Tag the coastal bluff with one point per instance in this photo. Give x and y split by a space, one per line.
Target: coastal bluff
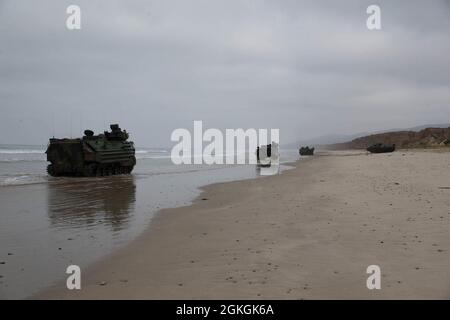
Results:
426 138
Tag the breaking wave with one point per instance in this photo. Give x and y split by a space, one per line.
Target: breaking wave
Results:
21 151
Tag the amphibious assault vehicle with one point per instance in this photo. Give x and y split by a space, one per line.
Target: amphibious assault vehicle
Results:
306 151
92 155
381 148
266 155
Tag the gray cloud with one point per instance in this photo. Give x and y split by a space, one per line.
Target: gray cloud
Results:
306 67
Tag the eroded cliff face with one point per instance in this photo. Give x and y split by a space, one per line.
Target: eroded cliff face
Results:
429 137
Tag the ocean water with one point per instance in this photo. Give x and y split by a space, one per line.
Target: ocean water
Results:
24 164
48 223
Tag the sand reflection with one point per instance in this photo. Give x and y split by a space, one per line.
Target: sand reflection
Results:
85 202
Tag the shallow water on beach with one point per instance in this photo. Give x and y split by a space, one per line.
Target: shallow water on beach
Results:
49 223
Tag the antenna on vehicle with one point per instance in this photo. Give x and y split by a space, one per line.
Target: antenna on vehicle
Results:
81 121
53 124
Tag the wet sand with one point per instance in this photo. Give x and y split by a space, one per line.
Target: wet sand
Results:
50 224
309 233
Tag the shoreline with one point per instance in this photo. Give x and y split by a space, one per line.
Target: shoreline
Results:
79 221
298 235
54 290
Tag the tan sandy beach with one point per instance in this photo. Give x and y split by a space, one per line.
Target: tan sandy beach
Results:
309 233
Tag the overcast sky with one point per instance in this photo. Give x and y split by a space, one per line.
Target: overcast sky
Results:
308 68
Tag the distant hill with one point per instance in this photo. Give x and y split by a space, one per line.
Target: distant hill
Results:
427 137
336 139
324 140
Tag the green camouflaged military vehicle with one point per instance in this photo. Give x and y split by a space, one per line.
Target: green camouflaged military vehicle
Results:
93 155
381 148
306 151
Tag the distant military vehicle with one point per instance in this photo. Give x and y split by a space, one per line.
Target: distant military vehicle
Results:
267 155
306 151
93 155
381 148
